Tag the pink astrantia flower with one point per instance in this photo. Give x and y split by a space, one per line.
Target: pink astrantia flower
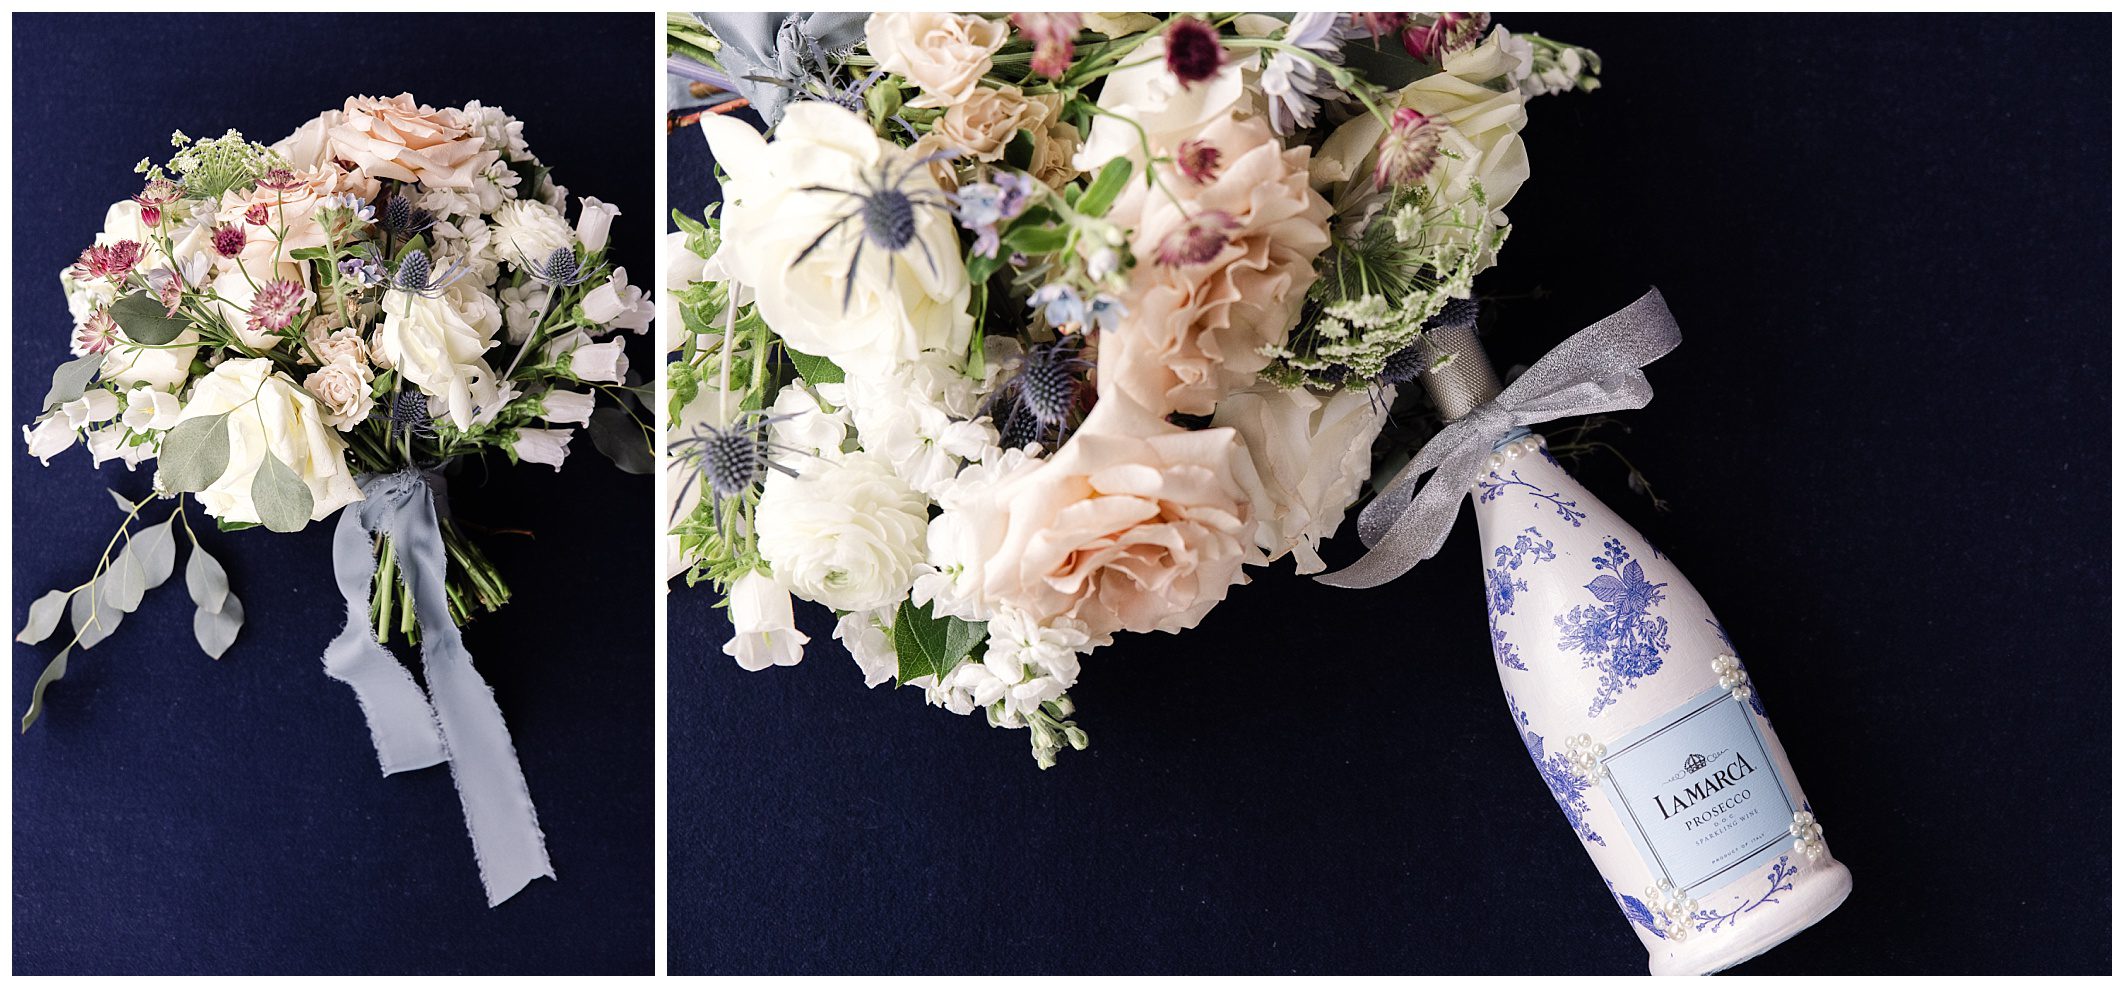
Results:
1198 240
256 215
159 193
1198 160
276 306
1054 38
1447 34
97 334
113 261
229 240
1408 150
1377 24
1192 53
281 180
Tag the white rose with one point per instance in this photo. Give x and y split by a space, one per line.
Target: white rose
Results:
441 350
846 533
902 302
1144 102
593 226
765 625
1306 458
163 368
547 446
527 231
944 54
618 305
273 416
149 409
342 388
563 407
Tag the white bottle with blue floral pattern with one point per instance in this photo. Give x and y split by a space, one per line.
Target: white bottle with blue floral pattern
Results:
1638 711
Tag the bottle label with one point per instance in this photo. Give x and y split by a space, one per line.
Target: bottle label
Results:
1699 793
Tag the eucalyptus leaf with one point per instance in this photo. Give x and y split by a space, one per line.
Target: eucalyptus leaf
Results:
931 646
125 582
124 504
44 617
93 616
216 630
157 549
206 580
194 454
282 499
616 435
52 673
145 321
70 379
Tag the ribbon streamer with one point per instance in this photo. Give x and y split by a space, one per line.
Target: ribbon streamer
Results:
770 55
1598 369
462 725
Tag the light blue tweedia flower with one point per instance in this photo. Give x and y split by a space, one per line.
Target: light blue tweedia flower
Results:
1064 308
979 206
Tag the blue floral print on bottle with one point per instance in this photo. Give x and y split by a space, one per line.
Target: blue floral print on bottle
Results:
1566 783
1506 584
1618 636
1780 880
1493 486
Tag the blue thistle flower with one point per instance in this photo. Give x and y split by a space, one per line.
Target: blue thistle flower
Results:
561 269
416 275
884 210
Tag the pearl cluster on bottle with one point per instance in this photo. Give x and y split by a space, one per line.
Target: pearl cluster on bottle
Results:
1732 678
1517 449
1807 836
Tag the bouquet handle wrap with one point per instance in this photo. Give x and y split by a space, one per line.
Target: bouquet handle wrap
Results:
457 720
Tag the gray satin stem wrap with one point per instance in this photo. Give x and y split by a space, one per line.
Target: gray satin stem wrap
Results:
456 720
763 46
1597 370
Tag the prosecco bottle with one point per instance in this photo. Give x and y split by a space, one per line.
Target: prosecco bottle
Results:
1637 709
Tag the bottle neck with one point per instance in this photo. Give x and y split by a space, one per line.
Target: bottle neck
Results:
1459 376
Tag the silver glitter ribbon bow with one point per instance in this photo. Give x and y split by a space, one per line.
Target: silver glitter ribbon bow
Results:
456 720
1598 369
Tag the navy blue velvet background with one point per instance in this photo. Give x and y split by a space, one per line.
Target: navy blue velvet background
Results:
1885 443
176 814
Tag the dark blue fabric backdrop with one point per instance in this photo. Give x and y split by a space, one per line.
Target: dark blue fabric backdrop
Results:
176 814
1886 446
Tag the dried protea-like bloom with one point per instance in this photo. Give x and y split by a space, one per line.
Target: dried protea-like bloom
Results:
97 334
229 240
1443 36
1198 159
160 192
114 261
281 180
1192 53
1409 148
1054 38
276 306
1197 241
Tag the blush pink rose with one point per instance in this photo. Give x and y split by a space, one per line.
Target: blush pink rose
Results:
1199 313
398 138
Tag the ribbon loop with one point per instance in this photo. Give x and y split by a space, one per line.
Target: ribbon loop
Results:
1598 369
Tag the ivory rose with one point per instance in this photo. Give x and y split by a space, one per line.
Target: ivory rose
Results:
398 138
1145 103
1194 331
272 417
310 145
341 388
944 54
441 349
1306 458
983 123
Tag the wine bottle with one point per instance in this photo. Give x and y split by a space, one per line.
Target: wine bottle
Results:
1636 708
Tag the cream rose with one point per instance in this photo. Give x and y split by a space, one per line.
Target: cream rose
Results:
1055 146
846 533
1147 96
1194 331
398 138
944 54
310 145
902 302
342 389
291 213
984 122
271 417
441 349
1306 458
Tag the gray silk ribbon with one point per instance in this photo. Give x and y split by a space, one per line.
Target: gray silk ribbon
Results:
1597 370
456 720
770 54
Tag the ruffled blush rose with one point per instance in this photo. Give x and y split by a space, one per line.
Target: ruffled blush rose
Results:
398 138
1307 456
945 55
1196 326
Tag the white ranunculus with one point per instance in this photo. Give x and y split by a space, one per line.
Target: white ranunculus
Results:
272 416
802 423
593 226
50 437
527 231
868 638
563 407
618 305
150 409
901 303
441 349
845 533
547 446
765 623
1306 459
1144 102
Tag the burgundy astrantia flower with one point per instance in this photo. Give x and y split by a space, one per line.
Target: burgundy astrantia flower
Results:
1408 149
1198 241
256 215
113 261
1447 34
1198 159
229 240
160 192
97 335
276 306
1379 24
1054 38
1192 53
280 180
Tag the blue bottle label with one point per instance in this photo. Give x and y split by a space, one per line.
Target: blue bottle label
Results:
1699 793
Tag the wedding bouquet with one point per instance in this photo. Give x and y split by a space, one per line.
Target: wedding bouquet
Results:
330 324
1016 334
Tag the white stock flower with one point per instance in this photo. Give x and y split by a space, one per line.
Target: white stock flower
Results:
593 226
547 446
442 350
1306 458
845 533
568 406
868 638
915 416
800 422
1034 663
1144 102
618 305
273 416
765 624
527 231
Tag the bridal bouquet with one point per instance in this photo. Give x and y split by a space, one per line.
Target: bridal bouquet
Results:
1015 334
330 324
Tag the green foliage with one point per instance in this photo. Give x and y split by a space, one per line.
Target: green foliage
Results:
1100 196
143 318
928 645
815 370
194 453
72 378
283 500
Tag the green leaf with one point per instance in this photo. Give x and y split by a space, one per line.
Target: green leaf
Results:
216 630
815 370
1106 188
44 617
70 379
207 582
194 454
282 499
616 435
1036 239
310 254
144 319
931 646
126 581
124 504
52 674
